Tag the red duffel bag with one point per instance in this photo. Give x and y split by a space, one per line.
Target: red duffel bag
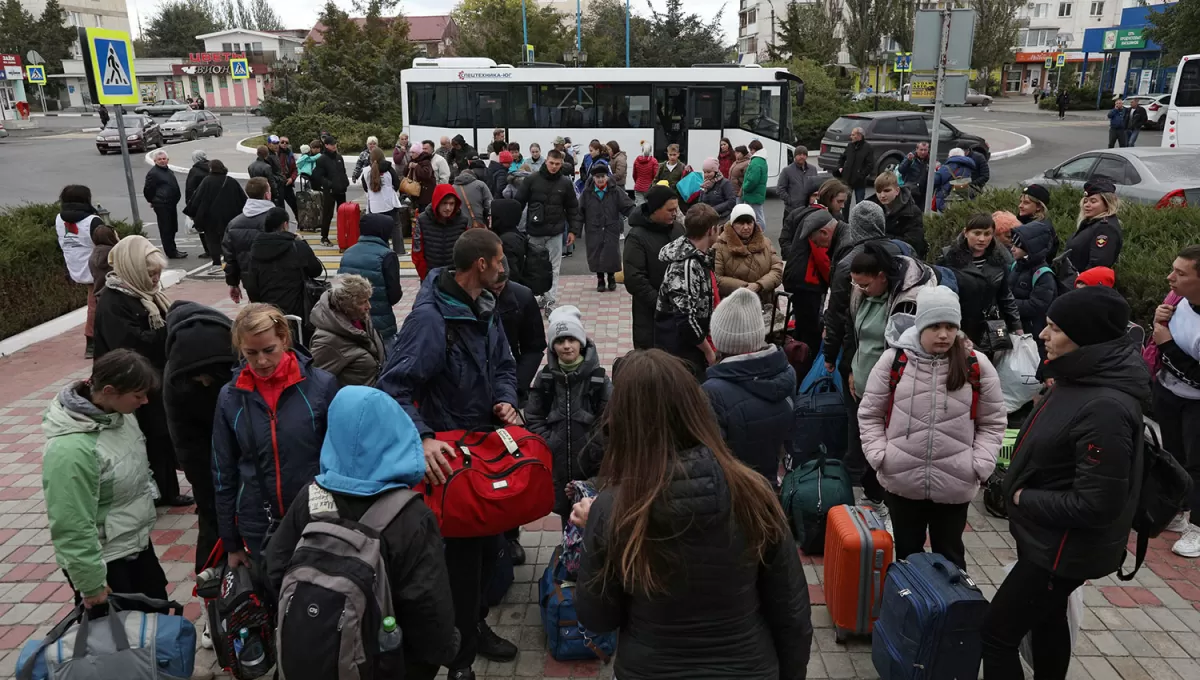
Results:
500 480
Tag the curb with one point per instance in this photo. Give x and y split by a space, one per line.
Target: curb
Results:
1007 153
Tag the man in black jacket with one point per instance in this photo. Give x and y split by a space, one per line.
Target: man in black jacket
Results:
904 219
1135 118
810 226
461 154
552 208
856 166
983 171
652 225
279 263
266 166
330 178
241 232
161 191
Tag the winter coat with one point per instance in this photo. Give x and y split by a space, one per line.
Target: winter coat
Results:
459 158
725 161
256 451
279 264
195 176
603 214
914 174
801 273
99 267
450 364
199 342
306 163
979 291
421 171
1136 117
725 615
751 397
796 184
239 237
1096 242
161 189
644 271
351 354
671 175
268 170
983 170
555 194
565 409
330 173
856 165
497 173
737 174
287 166
522 320
955 167
754 185
721 197
372 259
905 220
97 486
685 298
739 264
644 170
618 165
931 447
433 238
122 322
849 240
475 197
1031 279
216 202
440 168
1078 463
1116 118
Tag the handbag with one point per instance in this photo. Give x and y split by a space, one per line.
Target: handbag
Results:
996 337
410 186
476 223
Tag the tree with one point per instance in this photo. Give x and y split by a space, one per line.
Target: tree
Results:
492 28
684 39
48 34
604 36
1175 28
256 16
265 18
172 30
996 30
867 25
16 25
806 31
902 24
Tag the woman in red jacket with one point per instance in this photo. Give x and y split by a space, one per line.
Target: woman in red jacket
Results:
645 167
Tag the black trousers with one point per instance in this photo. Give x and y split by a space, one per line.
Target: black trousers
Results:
944 523
168 226
856 460
199 475
140 573
152 419
1179 421
329 205
213 235
469 563
1116 136
289 197
806 310
1031 600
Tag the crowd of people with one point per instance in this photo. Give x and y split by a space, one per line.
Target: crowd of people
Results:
687 551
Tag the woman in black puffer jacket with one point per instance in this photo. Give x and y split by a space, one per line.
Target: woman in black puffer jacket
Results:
982 266
686 551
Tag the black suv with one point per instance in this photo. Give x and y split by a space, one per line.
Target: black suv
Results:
893 135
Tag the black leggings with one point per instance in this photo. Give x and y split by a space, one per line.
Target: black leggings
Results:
1179 420
944 523
140 573
1031 600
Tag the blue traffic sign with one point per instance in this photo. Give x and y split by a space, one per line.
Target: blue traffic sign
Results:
239 68
112 70
36 74
903 63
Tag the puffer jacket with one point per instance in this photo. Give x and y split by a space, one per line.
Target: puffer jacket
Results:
754 183
161 188
981 290
475 197
955 167
644 170
1078 463
739 264
721 197
565 409
644 271
685 299
619 167
751 395
554 196
279 264
1031 279
372 259
737 174
931 448
434 237
725 615
239 237
351 354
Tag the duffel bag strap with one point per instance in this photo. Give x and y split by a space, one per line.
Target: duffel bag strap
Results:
120 639
26 672
164 606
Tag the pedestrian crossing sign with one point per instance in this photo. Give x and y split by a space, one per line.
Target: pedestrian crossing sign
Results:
108 62
239 68
35 74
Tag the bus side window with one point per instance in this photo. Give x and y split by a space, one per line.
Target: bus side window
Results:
623 106
761 110
427 105
459 112
729 111
522 104
1188 95
569 106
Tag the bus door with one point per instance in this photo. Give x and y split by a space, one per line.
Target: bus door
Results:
704 123
490 106
670 120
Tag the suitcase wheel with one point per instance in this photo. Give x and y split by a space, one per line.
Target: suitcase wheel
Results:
841 636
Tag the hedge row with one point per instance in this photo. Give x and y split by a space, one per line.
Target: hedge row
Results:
302 128
1079 99
33 274
1152 238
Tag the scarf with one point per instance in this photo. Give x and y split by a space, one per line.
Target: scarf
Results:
708 184
131 275
567 368
287 373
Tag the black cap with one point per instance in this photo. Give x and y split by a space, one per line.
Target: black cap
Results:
1038 193
328 140
1099 185
657 197
1090 315
599 169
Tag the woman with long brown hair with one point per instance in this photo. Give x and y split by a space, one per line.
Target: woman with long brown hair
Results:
686 550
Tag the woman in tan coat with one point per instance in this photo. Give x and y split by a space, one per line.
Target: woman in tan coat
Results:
737 171
746 258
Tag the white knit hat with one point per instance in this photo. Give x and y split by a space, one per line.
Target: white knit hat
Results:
742 210
565 322
737 325
937 305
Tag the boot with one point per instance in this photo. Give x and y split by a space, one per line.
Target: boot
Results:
493 647
89 352
612 281
599 283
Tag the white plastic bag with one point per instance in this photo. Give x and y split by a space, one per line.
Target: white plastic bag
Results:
1074 616
1018 372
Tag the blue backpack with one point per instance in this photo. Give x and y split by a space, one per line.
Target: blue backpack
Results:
567 640
946 277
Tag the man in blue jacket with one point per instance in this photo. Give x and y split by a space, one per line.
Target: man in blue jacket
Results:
451 368
1116 124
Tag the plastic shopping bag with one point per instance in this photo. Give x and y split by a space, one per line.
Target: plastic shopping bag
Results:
1074 616
818 371
1018 372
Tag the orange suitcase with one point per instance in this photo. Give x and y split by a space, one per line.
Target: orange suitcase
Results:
858 550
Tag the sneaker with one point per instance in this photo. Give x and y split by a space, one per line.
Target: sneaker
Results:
1179 524
495 648
1189 544
326 242
206 639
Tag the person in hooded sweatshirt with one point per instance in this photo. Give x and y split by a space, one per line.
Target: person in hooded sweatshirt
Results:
344 340
1072 488
279 264
371 259
652 225
371 450
215 203
1031 279
567 404
241 232
686 298
903 218
74 224
751 385
438 227
475 197
932 437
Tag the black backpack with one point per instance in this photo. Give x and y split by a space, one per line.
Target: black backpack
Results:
539 273
1165 489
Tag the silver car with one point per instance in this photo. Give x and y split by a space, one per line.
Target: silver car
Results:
977 98
161 107
1151 175
189 125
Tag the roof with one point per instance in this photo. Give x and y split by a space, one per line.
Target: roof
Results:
420 29
883 114
247 31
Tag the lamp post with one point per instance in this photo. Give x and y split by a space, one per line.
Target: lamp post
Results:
524 34
626 33
575 56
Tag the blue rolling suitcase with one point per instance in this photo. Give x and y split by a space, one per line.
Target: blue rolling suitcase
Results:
929 623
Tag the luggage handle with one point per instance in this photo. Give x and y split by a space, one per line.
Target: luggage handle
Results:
169 606
120 639
823 385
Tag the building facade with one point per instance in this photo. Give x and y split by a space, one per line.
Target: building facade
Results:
110 14
435 36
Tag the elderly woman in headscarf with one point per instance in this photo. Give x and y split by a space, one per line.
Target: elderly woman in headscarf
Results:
131 314
717 190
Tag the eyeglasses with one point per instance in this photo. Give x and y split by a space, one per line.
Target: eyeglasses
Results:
858 287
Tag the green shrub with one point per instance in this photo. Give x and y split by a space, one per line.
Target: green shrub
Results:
33 274
303 127
1152 238
1080 99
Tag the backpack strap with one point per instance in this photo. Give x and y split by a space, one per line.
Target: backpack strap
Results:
973 374
387 508
1037 274
596 390
899 363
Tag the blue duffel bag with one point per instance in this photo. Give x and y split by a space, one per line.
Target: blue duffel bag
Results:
821 417
124 644
567 640
929 621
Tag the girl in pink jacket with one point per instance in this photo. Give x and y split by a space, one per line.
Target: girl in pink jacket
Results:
932 421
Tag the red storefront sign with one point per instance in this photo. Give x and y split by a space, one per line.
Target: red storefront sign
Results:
209 57
10 67
10 60
212 69
1034 57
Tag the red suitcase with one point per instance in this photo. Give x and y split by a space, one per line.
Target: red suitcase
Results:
858 550
348 215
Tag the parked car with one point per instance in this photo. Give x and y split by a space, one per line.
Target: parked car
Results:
162 107
867 96
1149 175
893 134
3 132
977 98
192 124
141 133
1156 108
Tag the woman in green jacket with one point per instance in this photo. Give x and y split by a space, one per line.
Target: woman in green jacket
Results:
97 482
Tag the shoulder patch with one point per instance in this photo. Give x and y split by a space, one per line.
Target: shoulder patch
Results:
1101 241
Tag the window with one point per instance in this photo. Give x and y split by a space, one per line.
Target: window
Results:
226 47
623 106
489 109
705 111
566 106
1189 84
1040 37
730 108
256 48
1112 168
1012 82
439 106
886 126
99 19
947 131
521 101
760 109
1097 9
914 127
237 47
1041 10
752 17
208 85
1076 169
1064 9
75 21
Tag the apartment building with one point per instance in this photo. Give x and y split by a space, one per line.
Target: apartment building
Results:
111 14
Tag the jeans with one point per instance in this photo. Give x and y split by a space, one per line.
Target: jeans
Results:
759 214
554 246
329 204
945 524
1179 421
168 226
1031 599
1133 135
1116 136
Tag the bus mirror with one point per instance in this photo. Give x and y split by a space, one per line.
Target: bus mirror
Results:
799 95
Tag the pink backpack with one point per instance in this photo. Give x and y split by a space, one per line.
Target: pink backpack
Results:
1150 352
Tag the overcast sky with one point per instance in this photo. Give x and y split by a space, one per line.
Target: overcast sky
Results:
303 13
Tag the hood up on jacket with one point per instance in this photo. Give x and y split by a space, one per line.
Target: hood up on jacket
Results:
591 360
1038 240
325 318
272 245
902 333
371 445
766 373
71 413
1117 364
964 161
256 206
443 192
199 341
377 225
466 177
679 250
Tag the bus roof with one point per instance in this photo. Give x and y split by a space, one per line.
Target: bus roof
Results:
486 70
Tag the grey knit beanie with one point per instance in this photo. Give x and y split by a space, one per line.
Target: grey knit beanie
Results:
737 325
565 322
937 304
866 217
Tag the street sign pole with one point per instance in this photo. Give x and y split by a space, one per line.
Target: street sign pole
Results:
133 205
937 110
109 64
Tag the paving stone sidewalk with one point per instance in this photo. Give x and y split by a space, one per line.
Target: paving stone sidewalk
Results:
1137 630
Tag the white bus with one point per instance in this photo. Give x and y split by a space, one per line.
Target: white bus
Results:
1181 127
692 107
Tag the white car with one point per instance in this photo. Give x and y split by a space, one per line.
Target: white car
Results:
976 98
1156 107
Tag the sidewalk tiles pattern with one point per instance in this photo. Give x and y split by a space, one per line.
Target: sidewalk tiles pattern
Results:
1137 630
